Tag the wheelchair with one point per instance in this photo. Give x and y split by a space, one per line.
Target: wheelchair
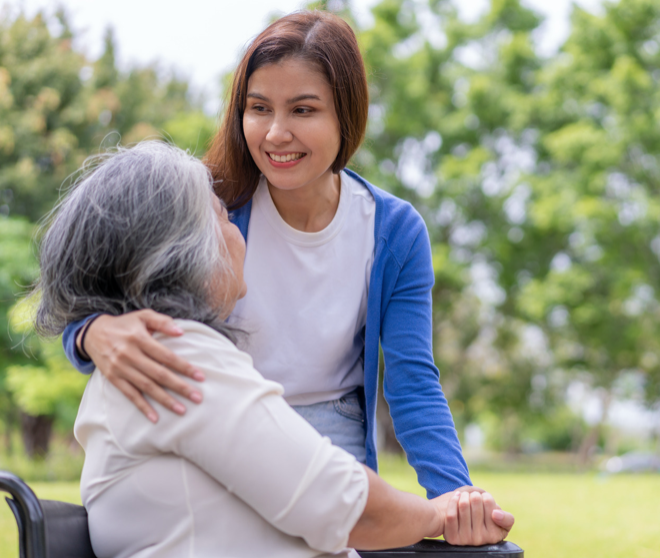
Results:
52 529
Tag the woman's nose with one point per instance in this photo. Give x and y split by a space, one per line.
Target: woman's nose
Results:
279 132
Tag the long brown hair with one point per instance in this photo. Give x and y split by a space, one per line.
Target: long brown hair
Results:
320 38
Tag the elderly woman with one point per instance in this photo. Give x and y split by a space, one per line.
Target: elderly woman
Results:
244 474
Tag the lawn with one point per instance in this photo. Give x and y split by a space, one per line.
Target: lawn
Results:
568 515
557 515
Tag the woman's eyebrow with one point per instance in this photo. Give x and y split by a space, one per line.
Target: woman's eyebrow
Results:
296 99
303 97
257 96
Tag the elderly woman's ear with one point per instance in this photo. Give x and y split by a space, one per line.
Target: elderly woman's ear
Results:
227 289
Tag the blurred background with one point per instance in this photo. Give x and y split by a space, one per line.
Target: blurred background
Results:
526 134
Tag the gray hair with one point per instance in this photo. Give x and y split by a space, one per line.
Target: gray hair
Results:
137 231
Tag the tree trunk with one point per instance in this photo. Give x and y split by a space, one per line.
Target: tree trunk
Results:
36 433
590 441
511 434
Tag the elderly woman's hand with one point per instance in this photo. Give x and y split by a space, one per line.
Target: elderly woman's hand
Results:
124 350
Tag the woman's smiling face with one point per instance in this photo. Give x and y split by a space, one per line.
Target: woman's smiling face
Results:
290 124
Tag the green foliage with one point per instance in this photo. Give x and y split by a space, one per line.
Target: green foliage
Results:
560 430
64 461
18 269
539 177
48 385
57 107
192 131
35 376
18 266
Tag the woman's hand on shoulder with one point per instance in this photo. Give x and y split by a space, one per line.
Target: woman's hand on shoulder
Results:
472 517
123 349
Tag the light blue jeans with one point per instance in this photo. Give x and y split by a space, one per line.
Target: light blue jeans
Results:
341 420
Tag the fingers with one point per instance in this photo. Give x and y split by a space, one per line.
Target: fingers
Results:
136 398
498 522
123 348
464 519
152 379
479 531
503 519
161 354
468 488
451 520
159 322
474 518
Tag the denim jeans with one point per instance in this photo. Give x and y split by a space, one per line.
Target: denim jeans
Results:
341 420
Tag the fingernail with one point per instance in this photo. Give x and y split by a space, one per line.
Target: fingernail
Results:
498 515
176 330
178 408
153 417
199 376
196 397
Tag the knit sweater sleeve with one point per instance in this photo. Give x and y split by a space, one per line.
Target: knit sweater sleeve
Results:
422 420
69 343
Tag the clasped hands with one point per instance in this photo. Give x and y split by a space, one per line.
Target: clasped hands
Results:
471 517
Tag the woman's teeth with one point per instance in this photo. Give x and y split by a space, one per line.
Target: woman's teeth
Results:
286 158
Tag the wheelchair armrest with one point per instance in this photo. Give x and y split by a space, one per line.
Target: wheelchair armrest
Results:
432 548
46 528
29 516
67 532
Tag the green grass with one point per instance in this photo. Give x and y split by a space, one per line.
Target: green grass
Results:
557 515
568 515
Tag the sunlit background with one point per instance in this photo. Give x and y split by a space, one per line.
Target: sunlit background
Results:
527 135
201 39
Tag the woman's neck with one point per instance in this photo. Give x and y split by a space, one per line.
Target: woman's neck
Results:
309 208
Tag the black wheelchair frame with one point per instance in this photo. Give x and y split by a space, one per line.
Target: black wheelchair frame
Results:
52 529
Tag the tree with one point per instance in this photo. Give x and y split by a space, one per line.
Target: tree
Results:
57 108
17 271
45 387
537 179
595 193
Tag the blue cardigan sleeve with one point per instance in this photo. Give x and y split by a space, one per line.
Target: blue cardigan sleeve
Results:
422 420
69 341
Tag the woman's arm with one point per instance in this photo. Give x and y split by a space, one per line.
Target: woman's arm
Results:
422 420
393 518
421 416
262 451
123 349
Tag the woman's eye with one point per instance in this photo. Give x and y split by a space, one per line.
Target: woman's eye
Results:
302 110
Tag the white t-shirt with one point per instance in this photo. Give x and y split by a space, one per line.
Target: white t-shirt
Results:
306 304
242 475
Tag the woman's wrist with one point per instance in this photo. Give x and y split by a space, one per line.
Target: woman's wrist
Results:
82 334
437 521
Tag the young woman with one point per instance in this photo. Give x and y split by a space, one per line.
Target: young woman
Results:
335 267
242 475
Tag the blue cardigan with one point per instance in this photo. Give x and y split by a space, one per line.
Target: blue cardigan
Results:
399 316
